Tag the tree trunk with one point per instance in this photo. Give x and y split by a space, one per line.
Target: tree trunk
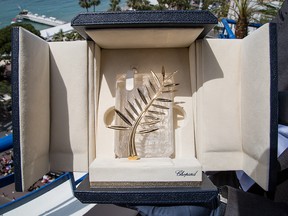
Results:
241 29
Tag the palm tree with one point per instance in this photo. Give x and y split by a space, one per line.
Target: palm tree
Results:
182 5
244 10
251 11
85 4
131 3
60 36
139 4
175 4
270 10
219 8
114 5
94 3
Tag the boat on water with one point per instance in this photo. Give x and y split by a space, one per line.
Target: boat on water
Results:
15 20
42 19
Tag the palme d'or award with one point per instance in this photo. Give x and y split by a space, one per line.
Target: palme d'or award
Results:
144 115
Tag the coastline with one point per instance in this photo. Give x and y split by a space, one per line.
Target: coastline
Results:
65 11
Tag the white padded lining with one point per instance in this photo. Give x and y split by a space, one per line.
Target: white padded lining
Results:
230 110
91 101
233 105
218 104
34 109
69 106
144 170
118 61
255 97
144 38
98 58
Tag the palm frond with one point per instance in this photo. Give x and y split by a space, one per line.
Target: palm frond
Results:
169 91
118 127
160 106
148 123
156 112
148 93
148 131
133 108
171 85
142 96
146 116
152 87
163 73
164 100
150 117
129 114
123 117
138 104
156 79
171 75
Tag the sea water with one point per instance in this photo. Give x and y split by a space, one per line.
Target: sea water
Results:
63 10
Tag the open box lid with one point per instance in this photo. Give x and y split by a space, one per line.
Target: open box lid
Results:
181 20
50 130
144 19
247 114
254 62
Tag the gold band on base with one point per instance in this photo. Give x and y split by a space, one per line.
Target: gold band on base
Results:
144 184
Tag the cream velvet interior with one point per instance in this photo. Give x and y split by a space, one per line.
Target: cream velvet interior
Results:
223 104
115 62
233 105
34 108
143 49
228 83
53 106
218 120
69 106
255 105
146 50
144 38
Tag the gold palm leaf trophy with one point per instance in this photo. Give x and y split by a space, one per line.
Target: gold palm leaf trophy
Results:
144 116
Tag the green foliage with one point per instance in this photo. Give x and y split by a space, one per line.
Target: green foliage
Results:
269 11
5 87
59 36
162 5
114 5
139 4
85 4
71 36
89 3
95 3
5 37
175 4
245 8
219 8
251 11
243 11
